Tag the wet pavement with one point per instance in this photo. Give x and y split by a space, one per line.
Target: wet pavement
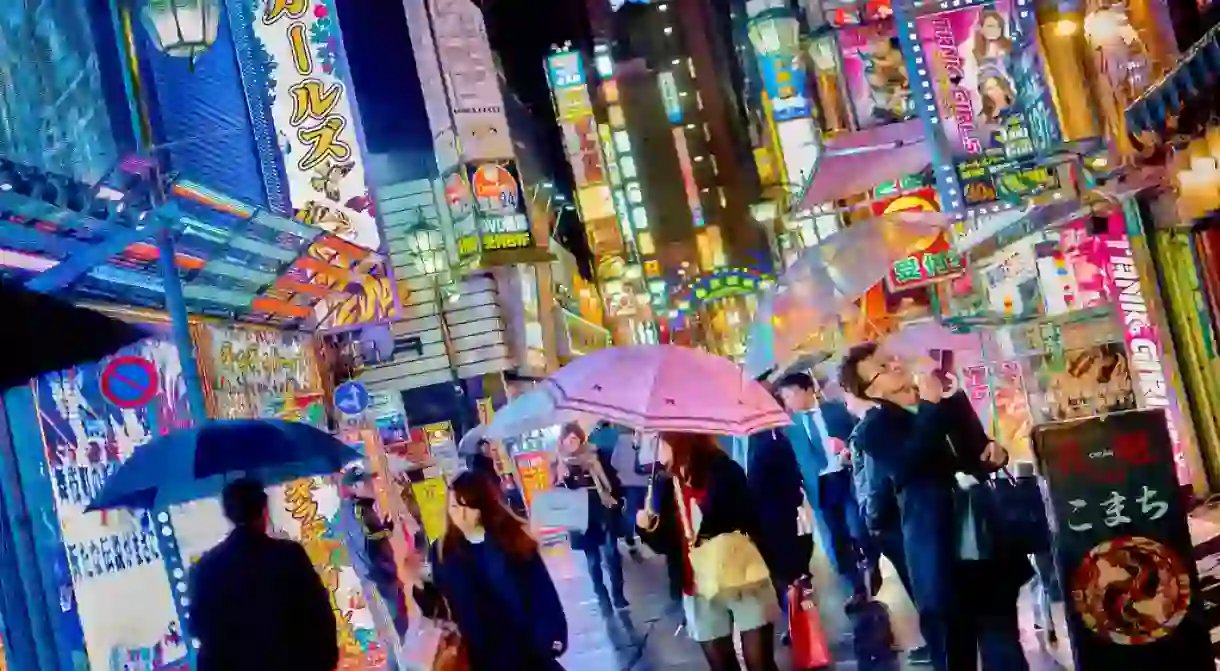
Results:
646 637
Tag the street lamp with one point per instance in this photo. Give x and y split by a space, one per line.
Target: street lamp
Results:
182 28
427 248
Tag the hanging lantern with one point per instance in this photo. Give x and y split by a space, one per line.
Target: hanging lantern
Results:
182 28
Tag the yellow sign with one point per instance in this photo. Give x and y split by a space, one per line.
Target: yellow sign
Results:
910 204
535 473
519 240
430 494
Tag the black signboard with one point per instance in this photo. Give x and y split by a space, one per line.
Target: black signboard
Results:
1122 546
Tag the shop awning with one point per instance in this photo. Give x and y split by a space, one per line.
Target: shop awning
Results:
855 163
1184 99
97 242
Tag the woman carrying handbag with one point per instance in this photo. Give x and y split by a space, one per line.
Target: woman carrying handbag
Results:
490 588
707 525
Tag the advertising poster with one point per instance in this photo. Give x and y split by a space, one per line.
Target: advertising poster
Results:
113 579
312 112
534 469
472 81
990 94
430 495
581 144
876 74
254 372
500 203
784 83
997 392
1122 545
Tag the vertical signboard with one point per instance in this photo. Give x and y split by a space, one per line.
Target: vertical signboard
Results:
470 76
312 113
1122 545
990 91
431 82
500 202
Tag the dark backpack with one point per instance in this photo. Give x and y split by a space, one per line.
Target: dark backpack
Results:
873 636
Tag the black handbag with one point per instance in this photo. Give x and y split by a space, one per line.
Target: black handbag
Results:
1020 514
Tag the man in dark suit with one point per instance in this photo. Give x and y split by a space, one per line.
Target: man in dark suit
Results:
918 442
256 601
818 436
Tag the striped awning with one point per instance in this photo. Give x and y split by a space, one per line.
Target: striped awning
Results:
1190 85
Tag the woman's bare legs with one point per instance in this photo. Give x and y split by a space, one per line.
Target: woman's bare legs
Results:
758 648
721 655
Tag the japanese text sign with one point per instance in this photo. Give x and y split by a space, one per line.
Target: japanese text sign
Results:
1122 546
938 261
312 112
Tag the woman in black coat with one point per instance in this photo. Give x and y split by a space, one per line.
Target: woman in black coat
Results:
489 579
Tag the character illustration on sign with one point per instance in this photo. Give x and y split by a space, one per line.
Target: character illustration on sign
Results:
1120 50
991 41
997 95
1132 590
330 219
330 178
889 83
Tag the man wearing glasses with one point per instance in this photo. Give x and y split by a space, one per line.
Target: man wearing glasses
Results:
920 441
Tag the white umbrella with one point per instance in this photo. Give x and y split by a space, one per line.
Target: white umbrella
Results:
531 411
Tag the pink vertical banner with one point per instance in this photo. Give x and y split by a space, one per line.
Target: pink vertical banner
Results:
1112 251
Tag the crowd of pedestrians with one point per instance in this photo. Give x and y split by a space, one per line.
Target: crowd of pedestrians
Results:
882 464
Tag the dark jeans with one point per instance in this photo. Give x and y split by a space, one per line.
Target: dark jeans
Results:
839 514
633 502
982 623
606 554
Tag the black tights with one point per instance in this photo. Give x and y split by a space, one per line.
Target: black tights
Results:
757 646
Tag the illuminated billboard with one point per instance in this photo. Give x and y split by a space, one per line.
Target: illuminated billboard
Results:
784 81
472 81
581 144
500 203
990 92
312 113
688 177
565 69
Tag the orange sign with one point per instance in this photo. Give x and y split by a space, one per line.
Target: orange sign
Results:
535 473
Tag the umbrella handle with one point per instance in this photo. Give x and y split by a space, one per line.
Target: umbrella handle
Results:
652 478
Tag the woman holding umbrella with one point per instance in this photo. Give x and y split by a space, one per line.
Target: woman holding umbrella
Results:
707 501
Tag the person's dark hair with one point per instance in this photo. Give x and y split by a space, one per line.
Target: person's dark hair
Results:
849 370
800 380
244 502
509 532
693 456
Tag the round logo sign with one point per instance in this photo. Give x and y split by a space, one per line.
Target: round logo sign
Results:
129 381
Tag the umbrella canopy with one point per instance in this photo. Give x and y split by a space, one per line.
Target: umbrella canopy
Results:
531 411
655 388
30 316
469 444
196 463
822 285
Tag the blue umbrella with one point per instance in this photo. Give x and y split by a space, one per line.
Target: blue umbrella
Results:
196 463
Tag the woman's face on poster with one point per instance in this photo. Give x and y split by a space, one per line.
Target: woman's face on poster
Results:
992 29
995 91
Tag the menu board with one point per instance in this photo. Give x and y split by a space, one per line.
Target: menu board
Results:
1122 545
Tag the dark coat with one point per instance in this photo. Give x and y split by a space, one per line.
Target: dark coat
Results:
603 522
919 453
507 610
775 483
729 507
257 603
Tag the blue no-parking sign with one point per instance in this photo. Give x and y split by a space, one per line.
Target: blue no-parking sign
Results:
352 398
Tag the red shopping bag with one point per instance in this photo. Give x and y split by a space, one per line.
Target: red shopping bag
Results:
809 647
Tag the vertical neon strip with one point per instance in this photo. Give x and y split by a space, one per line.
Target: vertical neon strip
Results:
919 69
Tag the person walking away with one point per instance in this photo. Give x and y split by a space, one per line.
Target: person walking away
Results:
819 436
879 511
370 546
256 602
775 483
634 476
706 496
581 466
919 441
489 579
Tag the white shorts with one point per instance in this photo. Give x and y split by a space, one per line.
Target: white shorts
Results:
709 620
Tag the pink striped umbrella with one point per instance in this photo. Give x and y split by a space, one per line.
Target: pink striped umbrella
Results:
655 388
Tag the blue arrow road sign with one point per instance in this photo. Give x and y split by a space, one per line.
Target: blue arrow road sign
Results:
352 398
